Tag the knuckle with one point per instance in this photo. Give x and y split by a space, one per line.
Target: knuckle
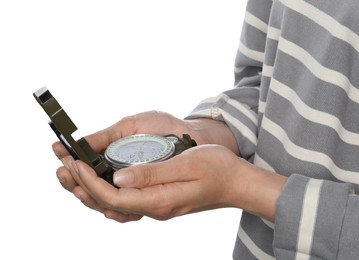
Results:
127 125
146 177
164 209
167 212
111 203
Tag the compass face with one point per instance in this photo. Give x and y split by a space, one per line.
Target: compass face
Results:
138 149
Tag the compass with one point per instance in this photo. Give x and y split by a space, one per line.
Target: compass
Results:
127 151
139 149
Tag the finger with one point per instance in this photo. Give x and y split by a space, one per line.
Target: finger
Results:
95 186
68 162
155 201
152 201
70 169
73 183
173 170
106 195
121 217
98 141
86 199
68 182
65 178
59 150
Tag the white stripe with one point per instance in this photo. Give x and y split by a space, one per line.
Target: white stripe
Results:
313 115
209 100
321 72
261 106
268 223
251 246
273 33
308 155
247 111
267 71
201 113
308 218
215 113
255 22
239 69
244 109
242 128
259 161
255 55
326 21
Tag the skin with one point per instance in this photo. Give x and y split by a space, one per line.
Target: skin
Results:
176 186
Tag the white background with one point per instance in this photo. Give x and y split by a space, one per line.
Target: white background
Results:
104 60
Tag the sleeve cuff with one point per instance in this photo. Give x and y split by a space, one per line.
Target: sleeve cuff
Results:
309 218
241 119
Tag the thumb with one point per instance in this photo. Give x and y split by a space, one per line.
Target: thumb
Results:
136 177
146 175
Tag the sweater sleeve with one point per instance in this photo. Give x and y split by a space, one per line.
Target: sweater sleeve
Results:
238 107
240 117
316 219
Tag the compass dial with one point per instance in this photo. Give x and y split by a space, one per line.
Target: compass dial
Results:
138 149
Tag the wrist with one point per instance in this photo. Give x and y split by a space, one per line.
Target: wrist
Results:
210 131
257 190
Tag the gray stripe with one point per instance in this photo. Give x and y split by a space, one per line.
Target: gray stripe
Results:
259 232
349 235
264 90
276 18
271 53
246 60
241 78
328 227
284 163
344 58
201 106
324 97
241 252
251 37
311 102
260 9
346 12
344 156
288 215
252 33
308 219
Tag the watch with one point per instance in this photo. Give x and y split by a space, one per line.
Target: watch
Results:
145 148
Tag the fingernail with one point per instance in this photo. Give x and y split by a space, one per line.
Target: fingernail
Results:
124 179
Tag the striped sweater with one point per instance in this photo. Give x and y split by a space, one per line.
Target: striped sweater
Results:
295 110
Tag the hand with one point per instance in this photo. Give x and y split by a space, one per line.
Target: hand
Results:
148 122
202 130
201 178
179 185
